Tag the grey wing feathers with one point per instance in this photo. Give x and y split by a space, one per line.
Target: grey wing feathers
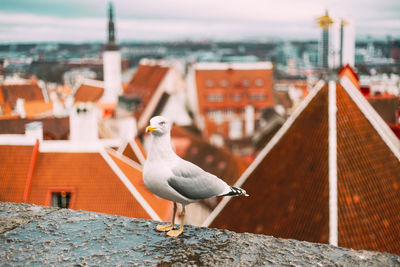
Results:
192 182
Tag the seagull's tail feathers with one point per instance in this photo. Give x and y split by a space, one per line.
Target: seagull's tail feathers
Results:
236 191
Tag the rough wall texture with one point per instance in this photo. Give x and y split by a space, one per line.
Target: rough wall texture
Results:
34 235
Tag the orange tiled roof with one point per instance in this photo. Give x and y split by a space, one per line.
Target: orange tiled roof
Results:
134 150
88 93
28 92
95 185
288 182
289 188
351 74
98 181
385 104
37 107
162 207
144 83
139 144
1 97
14 165
368 183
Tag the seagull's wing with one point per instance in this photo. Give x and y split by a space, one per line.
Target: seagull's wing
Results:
192 182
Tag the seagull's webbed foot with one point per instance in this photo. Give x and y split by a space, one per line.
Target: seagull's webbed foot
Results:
175 233
164 228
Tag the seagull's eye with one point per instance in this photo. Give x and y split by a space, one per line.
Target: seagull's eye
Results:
162 123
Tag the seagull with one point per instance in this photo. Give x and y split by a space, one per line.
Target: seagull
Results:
170 177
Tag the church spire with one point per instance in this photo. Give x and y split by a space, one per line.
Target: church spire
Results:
111 45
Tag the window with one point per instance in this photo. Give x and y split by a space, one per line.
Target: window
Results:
223 83
215 97
257 97
236 97
61 199
259 82
209 83
246 83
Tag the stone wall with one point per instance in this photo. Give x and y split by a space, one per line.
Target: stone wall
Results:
48 236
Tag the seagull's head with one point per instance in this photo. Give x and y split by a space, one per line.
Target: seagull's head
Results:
158 126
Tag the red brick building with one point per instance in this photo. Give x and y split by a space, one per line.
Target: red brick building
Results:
221 93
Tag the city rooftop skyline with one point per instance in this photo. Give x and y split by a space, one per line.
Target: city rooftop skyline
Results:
86 21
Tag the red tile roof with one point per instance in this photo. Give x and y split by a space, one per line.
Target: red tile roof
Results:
144 83
14 165
288 182
128 152
351 74
289 187
98 181
396 129
134 150
387 107
36 108
162 207
88 93
368 183
95 184
28 92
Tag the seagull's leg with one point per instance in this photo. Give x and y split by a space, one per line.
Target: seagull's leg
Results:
176 233
164 228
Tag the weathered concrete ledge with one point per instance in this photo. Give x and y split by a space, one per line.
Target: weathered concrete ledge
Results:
35 235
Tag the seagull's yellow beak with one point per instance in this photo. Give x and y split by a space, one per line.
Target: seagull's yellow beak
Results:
150 129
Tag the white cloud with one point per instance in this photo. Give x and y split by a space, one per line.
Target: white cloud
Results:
218 19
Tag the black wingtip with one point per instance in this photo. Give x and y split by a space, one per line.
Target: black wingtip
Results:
236 191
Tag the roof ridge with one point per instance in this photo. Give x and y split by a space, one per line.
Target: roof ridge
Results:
137 150
122 147
131 188
124 158
372 116
32 165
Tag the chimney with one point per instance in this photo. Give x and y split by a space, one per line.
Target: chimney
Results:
83 123
20 107
34 130
58 109
235 129
249 120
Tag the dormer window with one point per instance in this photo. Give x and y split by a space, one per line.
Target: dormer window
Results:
60 197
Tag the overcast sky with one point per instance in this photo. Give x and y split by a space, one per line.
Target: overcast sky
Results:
86 20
